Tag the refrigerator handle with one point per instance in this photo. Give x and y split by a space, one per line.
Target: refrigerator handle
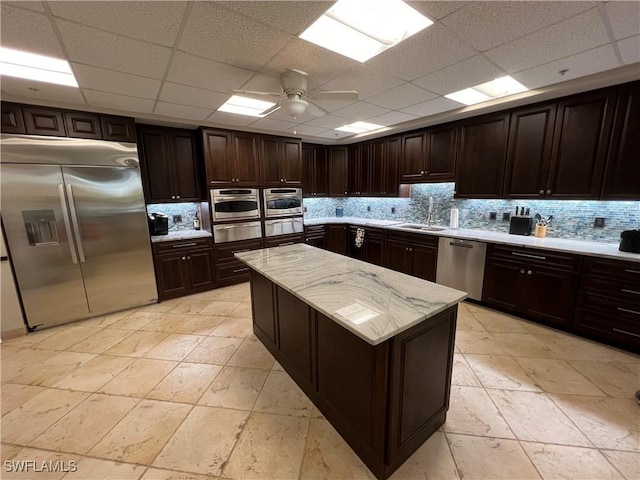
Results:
74 220
67 225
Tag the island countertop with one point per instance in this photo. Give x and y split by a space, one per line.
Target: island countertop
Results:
372 302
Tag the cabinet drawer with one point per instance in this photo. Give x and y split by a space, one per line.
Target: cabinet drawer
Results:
535 256
610 306
311 229
618 289
283 240
610 327
416 239
224 252
613 268
180 245
232 270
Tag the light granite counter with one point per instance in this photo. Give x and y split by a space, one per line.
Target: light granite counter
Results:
181 235
348 290
581 247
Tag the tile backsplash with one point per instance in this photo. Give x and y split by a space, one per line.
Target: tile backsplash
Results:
187 210
572 218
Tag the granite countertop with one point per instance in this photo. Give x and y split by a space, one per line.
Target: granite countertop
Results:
180 235
343 288
582 247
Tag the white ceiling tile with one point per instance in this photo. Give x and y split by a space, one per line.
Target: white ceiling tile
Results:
630 50
37 6
584 63
334 134
196 97
391 118
118 102
214 32
306 130
360 111
332 105
45 91
114 52
156 22
199 72
486 25
425 52
181 111
291 17
436 10
432 107
29 31
268 123
263 83
327 121
467 73
563 39
365 79
115 82
321 64
624 18
223 118
402 96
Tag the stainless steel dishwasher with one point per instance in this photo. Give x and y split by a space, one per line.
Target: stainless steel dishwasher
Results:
461 265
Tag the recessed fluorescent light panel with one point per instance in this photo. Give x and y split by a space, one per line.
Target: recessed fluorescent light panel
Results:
361 29
245 106
15 63
500 87
359 127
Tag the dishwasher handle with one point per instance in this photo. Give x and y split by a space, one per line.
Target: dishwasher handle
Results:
463 245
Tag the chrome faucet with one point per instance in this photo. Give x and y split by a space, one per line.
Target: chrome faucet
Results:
430 214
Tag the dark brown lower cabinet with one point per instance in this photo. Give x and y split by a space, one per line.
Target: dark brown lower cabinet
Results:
337 238
380 398
230 270
316 236
415 255
372 248
183 267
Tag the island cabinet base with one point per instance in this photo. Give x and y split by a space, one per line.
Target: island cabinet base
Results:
385 400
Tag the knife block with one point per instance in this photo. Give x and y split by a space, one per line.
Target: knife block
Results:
521 225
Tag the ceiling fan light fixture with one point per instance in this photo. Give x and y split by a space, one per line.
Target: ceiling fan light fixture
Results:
294 106
31 66
246 106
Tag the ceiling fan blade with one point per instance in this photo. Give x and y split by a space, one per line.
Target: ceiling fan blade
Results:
258 94
270 110
341 95
315 110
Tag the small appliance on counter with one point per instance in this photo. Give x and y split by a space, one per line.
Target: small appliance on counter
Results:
630 241
521 223
158 224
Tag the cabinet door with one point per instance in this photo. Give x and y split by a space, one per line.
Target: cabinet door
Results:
12 120
217 162
423 262
171 275
156 165
482 155
550 294
337 238
292 161
623 167
373 248
393 150
338 172
118 129
441 153
529 152
185 166
44 121
200 263
294 331
580 143
83 125
412 161
308 154
246 167
378 183
397 256
270 158
320 173
359 156
316 240
503 284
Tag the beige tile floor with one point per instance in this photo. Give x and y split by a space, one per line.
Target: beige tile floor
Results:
183 390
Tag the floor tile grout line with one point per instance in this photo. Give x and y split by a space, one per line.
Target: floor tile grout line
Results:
304 450
455 462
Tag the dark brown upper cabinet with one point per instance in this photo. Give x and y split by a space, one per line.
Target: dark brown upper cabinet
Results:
118 129
83 125
383 167
231 158
529 151
169 164
623 164
429 155
359 169
315 171
412 160
482 155
44 121
338 172
281 160
12 120
580 145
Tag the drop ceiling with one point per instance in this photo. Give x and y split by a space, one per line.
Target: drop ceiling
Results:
176 62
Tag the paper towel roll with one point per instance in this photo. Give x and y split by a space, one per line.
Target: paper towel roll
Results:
454 218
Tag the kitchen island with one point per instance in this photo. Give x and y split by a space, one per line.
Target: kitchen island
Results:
372 348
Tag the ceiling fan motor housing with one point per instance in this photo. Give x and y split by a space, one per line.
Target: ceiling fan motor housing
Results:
294 82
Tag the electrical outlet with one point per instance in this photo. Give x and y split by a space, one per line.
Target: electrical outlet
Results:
598 222
493 215
506 216
304 209
177 218
368 208
393 209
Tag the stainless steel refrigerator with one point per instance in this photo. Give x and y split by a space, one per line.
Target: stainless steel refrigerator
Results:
75 220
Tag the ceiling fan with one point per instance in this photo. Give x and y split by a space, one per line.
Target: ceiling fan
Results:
294 99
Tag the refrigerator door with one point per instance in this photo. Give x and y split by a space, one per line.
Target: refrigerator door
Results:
108 214
40 236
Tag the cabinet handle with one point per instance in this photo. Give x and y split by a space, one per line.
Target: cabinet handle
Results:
463 245
188 258
281 180
345 193
629 291
631 271
238 270
548 192
181 245
625 332
522 270
628 311
183 258
537 257
177 196
529 272
173 197
541 192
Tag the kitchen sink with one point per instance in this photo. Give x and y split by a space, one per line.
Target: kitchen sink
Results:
424 228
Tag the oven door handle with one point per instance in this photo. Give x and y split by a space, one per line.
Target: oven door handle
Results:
243 198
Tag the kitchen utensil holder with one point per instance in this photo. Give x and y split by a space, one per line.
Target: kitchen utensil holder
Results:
541 231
